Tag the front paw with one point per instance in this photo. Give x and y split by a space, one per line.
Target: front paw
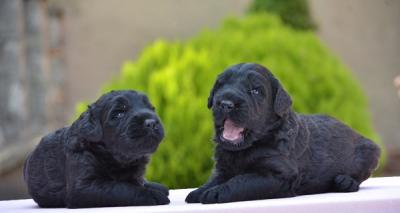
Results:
158 187
155 197
194 196
217 194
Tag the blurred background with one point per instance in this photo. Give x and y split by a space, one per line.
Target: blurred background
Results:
334 57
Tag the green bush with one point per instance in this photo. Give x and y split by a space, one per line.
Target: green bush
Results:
177 76
294 13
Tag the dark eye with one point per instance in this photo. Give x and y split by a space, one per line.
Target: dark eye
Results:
119 112
255 91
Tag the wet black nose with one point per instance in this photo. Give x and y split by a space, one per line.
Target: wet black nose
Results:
150 123
226 105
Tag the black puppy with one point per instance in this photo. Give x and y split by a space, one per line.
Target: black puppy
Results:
100 159
266 150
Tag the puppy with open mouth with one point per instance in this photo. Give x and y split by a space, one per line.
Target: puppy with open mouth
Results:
266 150
100 159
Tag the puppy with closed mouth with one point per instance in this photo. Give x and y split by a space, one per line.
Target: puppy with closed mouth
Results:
266 150
100 159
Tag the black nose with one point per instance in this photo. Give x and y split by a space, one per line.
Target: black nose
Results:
151 123
226 105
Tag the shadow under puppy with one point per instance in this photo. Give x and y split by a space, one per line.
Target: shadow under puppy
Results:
266 150
100 159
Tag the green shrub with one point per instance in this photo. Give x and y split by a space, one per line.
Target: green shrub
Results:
294 13
177 76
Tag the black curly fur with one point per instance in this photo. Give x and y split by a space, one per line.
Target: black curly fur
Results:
281 153
100 159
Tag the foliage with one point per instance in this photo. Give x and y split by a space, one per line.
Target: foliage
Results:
294 13
177 76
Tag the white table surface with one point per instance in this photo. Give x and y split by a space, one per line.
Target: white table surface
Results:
375 195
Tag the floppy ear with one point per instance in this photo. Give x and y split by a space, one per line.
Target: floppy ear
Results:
282 101
89 126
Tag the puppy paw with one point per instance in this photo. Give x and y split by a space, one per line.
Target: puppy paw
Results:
158 187
194 196
154 197
218 194
345 183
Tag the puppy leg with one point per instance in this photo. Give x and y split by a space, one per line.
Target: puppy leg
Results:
366 159
158 187
105 194
86 189
247 187
194 196
345 183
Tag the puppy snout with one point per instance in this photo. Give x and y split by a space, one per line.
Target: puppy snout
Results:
151 123
226 105
145 120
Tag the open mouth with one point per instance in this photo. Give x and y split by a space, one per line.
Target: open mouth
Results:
231 132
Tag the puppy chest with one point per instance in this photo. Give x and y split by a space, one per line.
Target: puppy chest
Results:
132 174
232 165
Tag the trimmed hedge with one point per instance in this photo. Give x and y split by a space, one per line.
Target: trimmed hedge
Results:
295 13
177 76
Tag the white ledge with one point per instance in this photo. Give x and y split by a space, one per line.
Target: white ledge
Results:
375 195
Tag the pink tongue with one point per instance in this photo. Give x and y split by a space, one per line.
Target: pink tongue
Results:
231 131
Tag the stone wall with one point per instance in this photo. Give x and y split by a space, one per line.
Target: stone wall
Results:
365 34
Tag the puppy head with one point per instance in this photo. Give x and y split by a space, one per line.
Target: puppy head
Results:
124 122
248 102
